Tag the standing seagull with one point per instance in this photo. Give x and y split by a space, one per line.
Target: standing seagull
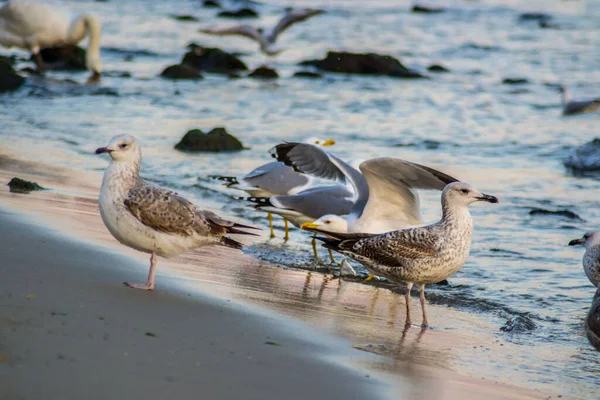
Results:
34 25
274 179
591 258
266 40
150 219
421 255
571 107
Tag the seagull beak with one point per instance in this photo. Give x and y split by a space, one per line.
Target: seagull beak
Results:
103 150
488 198
309 225
576 242
328 142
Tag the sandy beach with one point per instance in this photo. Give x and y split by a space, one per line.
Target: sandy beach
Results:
220 323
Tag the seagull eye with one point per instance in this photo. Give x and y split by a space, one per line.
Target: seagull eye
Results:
465 191
123 145
327 222
317 142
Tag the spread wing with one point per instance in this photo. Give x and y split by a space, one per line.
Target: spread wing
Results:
239 30
290 19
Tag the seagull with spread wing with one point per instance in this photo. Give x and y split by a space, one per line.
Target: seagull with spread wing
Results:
151 219
266 39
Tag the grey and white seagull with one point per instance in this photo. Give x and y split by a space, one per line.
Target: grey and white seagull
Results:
151 219
266 39
421 255
591 257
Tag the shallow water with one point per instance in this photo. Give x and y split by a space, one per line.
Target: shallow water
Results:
508 140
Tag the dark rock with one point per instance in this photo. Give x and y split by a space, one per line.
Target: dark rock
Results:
65 58
241 13
515 81
307 74
214 141
592 322
534 16
545 24
426 10
437 68
181 71
185 18
519 324
7 60
264 72
211 4
9 79
19 185
585 158
560 213
212 60
366 64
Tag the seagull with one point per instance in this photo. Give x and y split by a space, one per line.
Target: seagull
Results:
34 25
308 205
151 219
591 258
266 40
421 255
385 189
571 107
274 179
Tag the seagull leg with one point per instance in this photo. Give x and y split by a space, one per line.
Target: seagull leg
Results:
368 278
332 259
150 284
39 63
287 233
407 297
423 304
270 216
314 246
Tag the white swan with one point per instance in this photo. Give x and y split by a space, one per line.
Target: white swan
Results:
34 25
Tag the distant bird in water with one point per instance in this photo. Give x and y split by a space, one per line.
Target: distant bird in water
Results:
571 107
421 255
34 25
266 40
151 219
591 257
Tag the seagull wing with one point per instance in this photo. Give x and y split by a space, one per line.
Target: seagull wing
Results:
239 30
392 187
166 211
290 19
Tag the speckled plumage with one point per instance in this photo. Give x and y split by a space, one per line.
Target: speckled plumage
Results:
421 255
151 219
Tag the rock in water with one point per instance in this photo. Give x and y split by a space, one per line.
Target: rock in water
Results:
64 58
437 68
19 185
592 322
586 158
9 79
366 64
264 72
426 10
307 74
515 81
211 4
181 71
215 141
241 13
185 18
212 60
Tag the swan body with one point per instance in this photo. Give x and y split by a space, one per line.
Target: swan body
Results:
34 25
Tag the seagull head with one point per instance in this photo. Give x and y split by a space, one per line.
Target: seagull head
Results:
589 239
330 223
319 142
122 148
461 193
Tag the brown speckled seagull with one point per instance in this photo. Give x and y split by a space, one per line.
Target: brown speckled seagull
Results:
422 255
151 219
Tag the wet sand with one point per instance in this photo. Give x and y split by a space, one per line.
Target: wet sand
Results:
70 322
